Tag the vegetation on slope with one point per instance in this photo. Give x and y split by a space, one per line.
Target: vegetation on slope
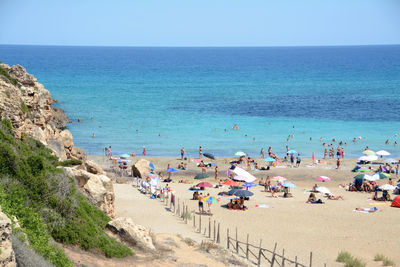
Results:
46 202
11 79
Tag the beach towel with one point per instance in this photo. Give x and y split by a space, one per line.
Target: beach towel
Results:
263 206
367 210
375 203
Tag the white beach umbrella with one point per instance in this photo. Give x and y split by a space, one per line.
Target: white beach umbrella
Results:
249 178
382 153
279 179
368 152
387 187
368 158
323 190
374 177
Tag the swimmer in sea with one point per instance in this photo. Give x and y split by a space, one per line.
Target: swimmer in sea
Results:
79 119
93 135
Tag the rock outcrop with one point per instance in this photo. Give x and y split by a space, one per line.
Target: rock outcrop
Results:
141 167
97 187
131 233
28 105
7 256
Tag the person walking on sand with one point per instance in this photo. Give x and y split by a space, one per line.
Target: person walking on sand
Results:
201 204
182 153
298 161
338 164
262 153
200 152
216 173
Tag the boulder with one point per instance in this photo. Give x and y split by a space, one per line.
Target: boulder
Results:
93 167
98 188
7 256
131 233
78 153
19 73
142 166
67 139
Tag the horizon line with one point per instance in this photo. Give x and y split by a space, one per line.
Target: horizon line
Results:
218 46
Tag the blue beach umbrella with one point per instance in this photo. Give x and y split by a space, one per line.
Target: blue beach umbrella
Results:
240 193
171 170
151 165
292 152
289 185
124 156
269 159
247 185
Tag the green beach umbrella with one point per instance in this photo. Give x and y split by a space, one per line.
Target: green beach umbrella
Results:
201 176
359 176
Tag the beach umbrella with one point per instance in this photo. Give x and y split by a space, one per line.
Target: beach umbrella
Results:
230 183
171 170
210 199
387 187
247 185
239 178
208 155
323 190
151 165
368 158
383 175
201 176
240 193
125 156
269 159
360 176
292 152
289 185
382 153
241 172
279 179
323 179
371 178
369 152
240 154
204 184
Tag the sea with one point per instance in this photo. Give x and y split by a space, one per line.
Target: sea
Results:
166 98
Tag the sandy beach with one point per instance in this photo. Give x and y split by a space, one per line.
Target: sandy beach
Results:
296 226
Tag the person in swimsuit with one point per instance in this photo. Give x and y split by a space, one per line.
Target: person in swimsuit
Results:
200 152
182 153
201 204
144 151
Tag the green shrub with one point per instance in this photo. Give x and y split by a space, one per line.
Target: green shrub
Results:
379 257
24 108
46 202
11 79
388 262
343 256
69 163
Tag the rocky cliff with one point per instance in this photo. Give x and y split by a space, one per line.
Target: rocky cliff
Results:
28 106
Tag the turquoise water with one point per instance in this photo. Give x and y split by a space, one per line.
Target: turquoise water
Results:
191 95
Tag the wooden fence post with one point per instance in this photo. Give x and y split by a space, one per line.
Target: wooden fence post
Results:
295 261
194 221
209 227
283 258
200 223
310 258
259 255
218 240
237 243
227 238
186 214
214 232
247 247
273 256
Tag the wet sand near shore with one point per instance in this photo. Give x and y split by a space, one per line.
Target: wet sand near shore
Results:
296 226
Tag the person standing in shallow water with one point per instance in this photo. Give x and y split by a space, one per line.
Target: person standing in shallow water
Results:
182 153
200 152
262 153
216 172
144 151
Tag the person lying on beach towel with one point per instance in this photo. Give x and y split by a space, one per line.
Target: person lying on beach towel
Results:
332 197
312 199
366 210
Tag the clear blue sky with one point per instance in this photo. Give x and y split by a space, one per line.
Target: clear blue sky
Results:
200 22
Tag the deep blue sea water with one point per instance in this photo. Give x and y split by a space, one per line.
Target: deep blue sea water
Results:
190 95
